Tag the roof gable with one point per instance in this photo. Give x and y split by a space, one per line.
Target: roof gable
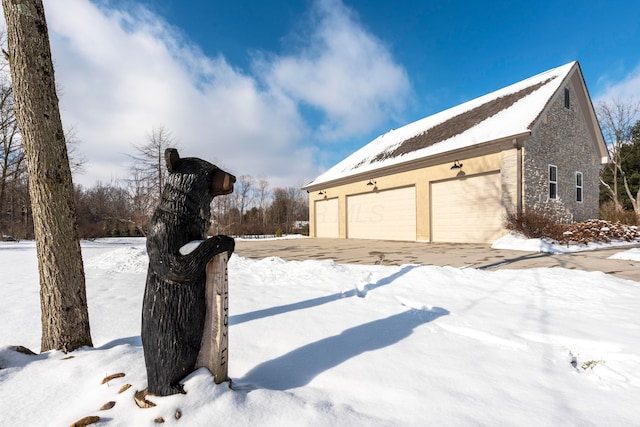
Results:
510 111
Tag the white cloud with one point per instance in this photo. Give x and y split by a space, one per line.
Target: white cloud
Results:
124 72
344 71
627 89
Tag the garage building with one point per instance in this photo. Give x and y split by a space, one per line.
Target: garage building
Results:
453 176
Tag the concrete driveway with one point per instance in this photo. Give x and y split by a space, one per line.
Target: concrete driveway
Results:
355 251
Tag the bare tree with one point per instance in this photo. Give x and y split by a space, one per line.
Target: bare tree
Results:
242 193
616 119
105 210
77 160
142 198
12 163
262 193
65 319
14 195
224 216
149 159
288 206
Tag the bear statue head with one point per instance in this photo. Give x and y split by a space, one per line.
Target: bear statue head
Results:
218 182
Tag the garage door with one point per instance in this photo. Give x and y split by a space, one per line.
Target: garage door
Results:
387 215
467 209
326 219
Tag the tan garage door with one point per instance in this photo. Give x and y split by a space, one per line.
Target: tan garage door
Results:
467 209
326 218
387 215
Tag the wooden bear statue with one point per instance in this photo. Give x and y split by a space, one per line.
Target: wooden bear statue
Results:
173 309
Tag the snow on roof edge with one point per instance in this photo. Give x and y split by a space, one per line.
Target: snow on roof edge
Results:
529 108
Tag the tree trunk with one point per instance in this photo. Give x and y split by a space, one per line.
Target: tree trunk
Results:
65 319
634 199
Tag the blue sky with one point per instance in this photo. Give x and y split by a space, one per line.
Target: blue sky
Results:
283 90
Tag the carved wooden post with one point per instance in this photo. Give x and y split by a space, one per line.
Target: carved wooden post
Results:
214 349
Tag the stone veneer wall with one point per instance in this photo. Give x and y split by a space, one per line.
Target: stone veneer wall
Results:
562 140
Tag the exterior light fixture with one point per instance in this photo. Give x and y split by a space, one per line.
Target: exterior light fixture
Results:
456 165
321 192
371 182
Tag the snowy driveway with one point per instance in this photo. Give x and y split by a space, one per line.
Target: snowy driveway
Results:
460 255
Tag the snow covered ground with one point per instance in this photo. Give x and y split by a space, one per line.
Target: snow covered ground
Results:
316 343
517 242
632 254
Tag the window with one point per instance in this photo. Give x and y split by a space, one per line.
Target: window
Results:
553 182
578 186
567 98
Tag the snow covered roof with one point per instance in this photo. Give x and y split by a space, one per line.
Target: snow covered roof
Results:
507 112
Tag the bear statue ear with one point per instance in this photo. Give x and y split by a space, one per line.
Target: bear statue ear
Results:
172 158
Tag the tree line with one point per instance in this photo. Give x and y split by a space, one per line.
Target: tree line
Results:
124 208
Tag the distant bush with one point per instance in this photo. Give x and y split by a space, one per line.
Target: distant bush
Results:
608 212
535 224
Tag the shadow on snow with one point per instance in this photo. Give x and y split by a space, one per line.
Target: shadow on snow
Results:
314 302
299 367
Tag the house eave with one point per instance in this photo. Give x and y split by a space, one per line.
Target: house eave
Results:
467 152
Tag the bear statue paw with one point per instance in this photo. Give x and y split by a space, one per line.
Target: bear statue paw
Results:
226 244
